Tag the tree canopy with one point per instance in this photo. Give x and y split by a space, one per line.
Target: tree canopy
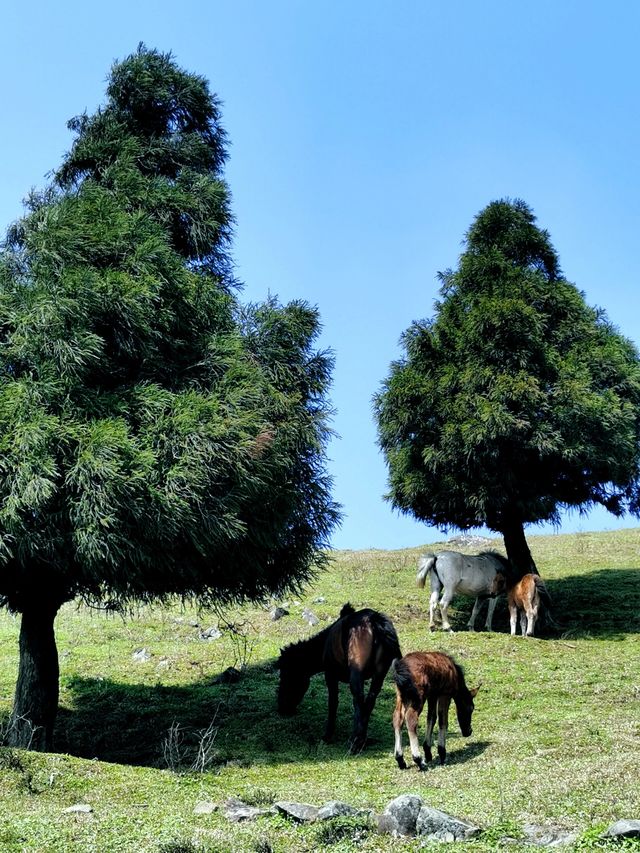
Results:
157 436
516 399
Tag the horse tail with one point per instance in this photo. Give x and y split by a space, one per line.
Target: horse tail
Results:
545 600
542 590
426 564
401 674
347 610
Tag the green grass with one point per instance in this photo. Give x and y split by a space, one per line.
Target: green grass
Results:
556 728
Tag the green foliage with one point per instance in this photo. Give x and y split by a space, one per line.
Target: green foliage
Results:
517 399
337 829
156 437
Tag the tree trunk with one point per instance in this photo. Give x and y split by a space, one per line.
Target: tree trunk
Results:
36 699
517 549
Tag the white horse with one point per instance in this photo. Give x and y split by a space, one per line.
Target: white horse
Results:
461 574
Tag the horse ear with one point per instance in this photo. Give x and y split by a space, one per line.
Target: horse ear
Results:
474 692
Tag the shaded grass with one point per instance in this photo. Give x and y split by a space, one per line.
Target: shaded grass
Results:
557 724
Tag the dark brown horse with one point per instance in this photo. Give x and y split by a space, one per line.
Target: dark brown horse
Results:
434 678
358 646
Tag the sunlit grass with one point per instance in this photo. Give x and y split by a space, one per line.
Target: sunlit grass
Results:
556 730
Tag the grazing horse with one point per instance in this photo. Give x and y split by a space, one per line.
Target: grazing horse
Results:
526 596
434 678
462 574
359 645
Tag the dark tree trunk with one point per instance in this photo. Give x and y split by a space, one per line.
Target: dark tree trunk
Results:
517 549
36 699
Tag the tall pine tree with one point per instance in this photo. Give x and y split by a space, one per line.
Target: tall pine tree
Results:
516 399
157 438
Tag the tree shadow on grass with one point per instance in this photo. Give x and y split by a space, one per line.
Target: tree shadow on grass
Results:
167 726
603 604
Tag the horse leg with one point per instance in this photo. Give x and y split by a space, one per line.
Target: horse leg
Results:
332 689
431 721
444 606
436 588
477 604
412 729
398 720
532 614
375 688
513 617
523 622
443 725
359 733
492 606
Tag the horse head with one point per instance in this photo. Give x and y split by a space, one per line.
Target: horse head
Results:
294 683
464 708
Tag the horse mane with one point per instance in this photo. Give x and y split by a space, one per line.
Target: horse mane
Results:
505 563
462 684
295 653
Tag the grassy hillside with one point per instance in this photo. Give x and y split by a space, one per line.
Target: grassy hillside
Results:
556 731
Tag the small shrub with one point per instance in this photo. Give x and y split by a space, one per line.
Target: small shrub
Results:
258 797
504 829
339 829
179 847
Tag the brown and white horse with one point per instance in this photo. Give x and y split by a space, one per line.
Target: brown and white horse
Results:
358 646
433 678
525 596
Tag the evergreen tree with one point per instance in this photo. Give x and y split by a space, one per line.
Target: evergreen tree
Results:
157 437
516 400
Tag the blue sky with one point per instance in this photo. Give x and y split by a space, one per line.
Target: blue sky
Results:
365 138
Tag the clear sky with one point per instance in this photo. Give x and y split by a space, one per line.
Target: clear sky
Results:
366 135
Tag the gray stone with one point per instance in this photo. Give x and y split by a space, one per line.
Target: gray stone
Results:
235 810
405 810
319 600
336 808
78 808
141 655
309 617
439 825
205 807
211 634
302 812
278 613
388 825
548 836
623 829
